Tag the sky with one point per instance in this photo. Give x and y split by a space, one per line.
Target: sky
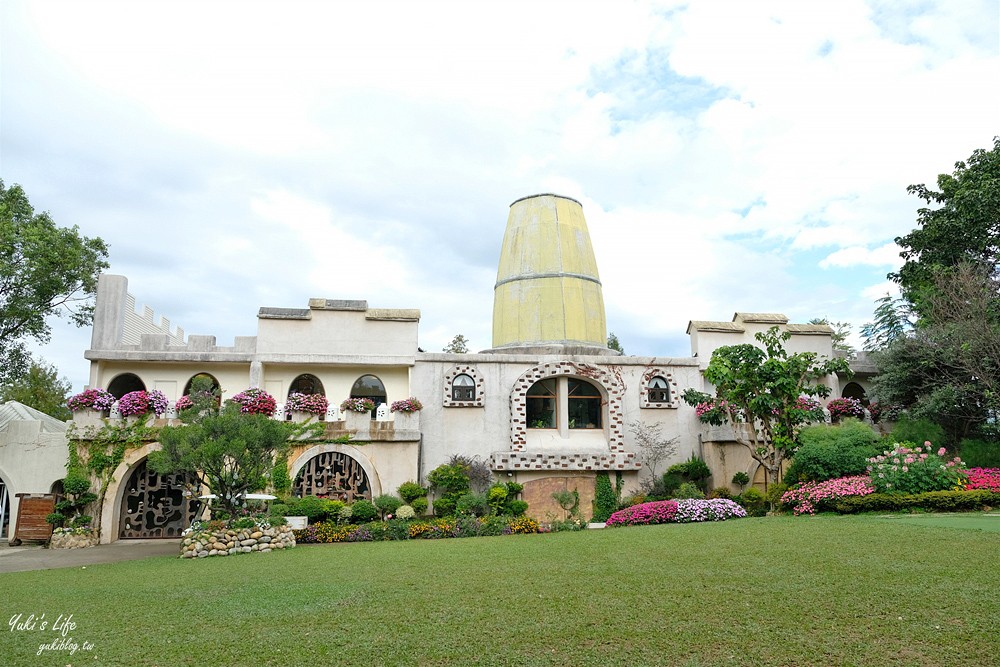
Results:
730 156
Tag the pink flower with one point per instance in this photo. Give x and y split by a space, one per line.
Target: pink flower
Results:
942 451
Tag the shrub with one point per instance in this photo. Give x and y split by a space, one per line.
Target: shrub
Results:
312 508
475 504
941 501
830 452
496 496
980 453
983 478
255 401
333 508
517 507
907 469
444 506
523 525
721 492
908 429
405 512
691 510
689 490
741 479
56 519
345 515
387 504
693 470
660 511
363 511
410 491
806 498
774 493
605 498
753 502
450 482
419 505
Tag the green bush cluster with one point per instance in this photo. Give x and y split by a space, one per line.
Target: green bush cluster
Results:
830 452
980 453
606 497
753 501
693 471
454 493
919 431
935 501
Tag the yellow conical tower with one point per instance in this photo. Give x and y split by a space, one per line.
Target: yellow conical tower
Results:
548 295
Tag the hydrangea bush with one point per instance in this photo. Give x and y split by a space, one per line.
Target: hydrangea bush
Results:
312 403
407 405
91 399
908 469
805 499
138 403
255 401
358 405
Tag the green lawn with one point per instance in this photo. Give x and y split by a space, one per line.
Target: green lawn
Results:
776 591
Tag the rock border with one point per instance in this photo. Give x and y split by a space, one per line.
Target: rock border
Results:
232 541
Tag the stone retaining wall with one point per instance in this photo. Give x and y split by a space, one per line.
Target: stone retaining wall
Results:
69 540
231 541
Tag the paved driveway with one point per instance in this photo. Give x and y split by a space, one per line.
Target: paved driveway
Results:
34 557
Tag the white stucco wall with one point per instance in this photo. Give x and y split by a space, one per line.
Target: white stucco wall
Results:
30 461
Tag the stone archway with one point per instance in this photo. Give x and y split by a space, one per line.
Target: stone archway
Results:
154 505
335 472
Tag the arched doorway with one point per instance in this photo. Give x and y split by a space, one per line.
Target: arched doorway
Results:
206 379
369 386
154 505
306 384
856 391
334 475
125 383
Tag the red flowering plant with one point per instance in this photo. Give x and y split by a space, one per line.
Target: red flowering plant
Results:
807 498
407 405
845 407
312 403
358 405
255 401
984 478
91 399
138 403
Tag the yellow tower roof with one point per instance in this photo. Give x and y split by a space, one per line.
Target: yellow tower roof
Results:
548 292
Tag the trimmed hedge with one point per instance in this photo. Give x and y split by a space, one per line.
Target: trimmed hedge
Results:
937 501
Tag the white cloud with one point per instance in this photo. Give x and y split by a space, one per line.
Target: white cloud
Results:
886 255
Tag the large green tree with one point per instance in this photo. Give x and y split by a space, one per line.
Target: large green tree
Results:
758 392
40 388
960 224
45 270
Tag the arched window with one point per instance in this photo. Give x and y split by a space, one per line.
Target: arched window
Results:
855 390
203 378
124 383
308 384
369 386
541 405
463 388
658 390
583 404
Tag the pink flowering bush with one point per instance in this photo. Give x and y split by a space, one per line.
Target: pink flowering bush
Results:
908 469
255 401
661 511
407 405
91 399
358 405
806 498
138 403
711 412
716 509
845 407
312 403
983 478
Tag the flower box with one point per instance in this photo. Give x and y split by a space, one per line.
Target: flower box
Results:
89 417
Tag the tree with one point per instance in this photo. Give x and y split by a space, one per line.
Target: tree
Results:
44 270
653 447
458 345
841 330
965 226
40 388
613 343
759 392
893 319
230 452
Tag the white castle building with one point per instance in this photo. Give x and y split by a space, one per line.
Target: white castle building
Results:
549 405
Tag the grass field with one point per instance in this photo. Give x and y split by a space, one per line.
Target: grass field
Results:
775 591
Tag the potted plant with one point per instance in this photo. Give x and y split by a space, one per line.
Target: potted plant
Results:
137 405
90 406
357 413
301 407
405 413
255 401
